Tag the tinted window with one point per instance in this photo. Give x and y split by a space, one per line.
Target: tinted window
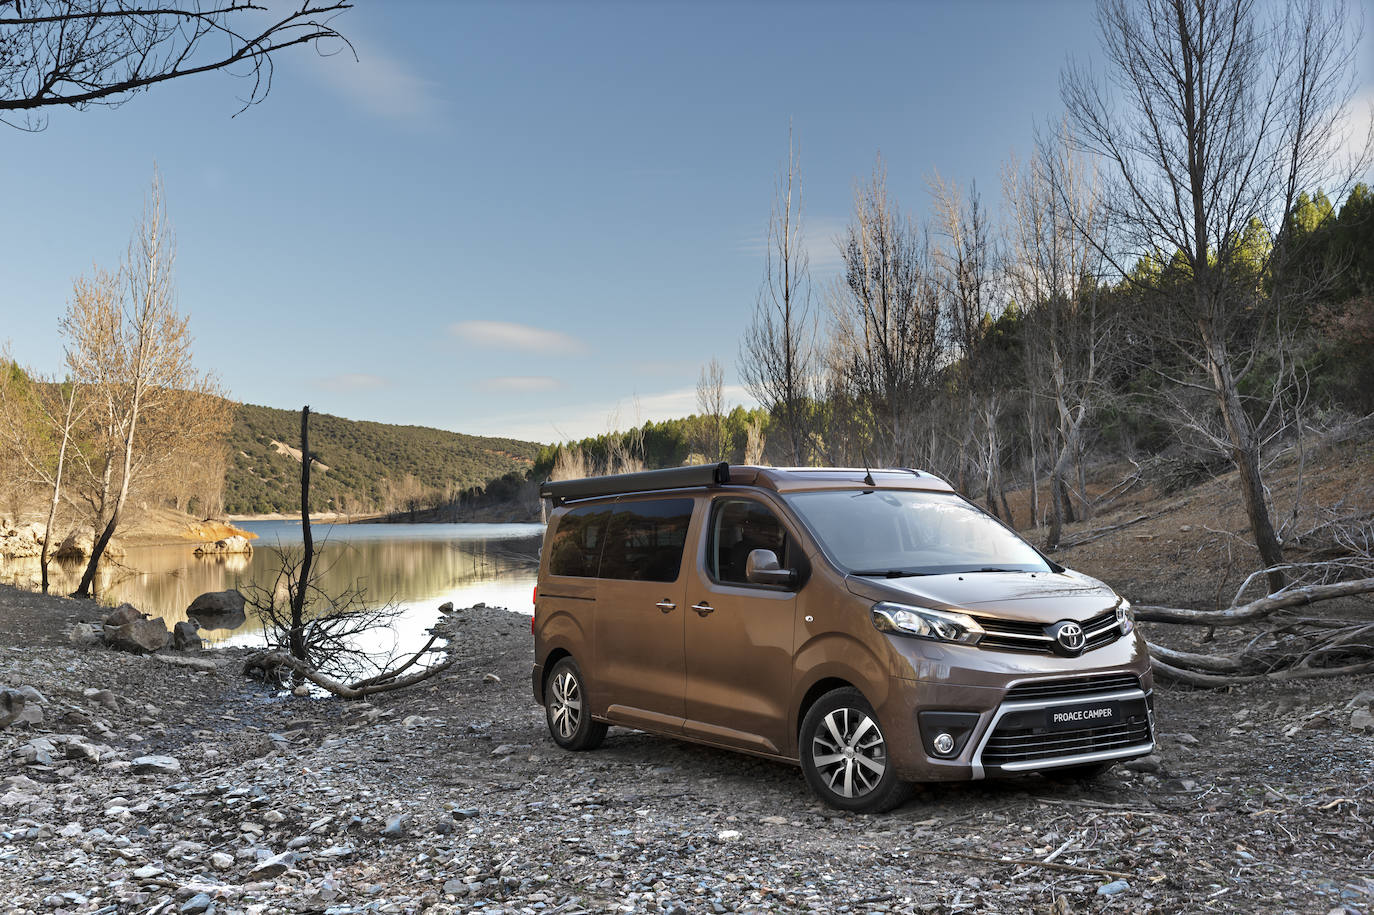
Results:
919 533
644 540
576 547
739 526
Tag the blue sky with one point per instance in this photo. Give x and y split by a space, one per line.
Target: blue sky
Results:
521 218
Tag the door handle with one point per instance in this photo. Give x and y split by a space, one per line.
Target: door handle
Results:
666 605
703 608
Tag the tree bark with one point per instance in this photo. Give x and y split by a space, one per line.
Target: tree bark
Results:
296 637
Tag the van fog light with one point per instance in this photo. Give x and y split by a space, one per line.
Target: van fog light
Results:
944 743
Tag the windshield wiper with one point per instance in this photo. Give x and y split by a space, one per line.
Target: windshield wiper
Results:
888 573
993 569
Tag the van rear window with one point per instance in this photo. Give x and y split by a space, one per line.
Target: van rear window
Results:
576 547
644 540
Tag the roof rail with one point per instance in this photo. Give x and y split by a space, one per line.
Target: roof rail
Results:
644 481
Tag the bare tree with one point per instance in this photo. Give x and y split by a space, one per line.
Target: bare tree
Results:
76 53
886 318
130 350
711 409
967 274
777 355
1219 120
35 413
1056 212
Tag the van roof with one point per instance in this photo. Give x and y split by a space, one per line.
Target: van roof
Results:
778 479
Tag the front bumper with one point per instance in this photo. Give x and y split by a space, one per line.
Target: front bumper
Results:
1031 719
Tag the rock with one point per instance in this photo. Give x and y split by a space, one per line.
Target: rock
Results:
1149 763
396 826
102 696
148 872
446 607
218 610
1188 740
272 867
82 635
1113 888
1362 720
165 764
197 904
139 637
465 813
12 704
124 613
185 636
302 691
491 678
76 545
228 546
221 862
728 835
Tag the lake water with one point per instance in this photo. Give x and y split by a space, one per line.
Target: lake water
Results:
415 566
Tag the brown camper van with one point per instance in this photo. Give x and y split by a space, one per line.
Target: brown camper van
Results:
874 627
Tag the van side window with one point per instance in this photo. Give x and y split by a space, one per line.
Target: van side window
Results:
739 526
576 547
644 540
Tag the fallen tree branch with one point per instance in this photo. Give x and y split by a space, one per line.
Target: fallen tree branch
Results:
1213 681
1023 862
1256 609
272 659
1203 662
1100 532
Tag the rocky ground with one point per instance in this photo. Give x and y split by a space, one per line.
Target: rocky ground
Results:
154 787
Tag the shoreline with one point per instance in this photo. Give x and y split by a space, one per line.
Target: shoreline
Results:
451 796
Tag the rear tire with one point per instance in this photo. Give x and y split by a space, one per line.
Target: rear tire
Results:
566 709
844 755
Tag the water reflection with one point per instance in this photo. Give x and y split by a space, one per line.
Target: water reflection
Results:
418 567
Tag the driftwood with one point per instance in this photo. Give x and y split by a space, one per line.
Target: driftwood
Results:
1255 609
1293 648
270 663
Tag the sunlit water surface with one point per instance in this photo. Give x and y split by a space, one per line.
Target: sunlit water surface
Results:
417 567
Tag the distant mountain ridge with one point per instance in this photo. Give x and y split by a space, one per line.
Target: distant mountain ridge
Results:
359 466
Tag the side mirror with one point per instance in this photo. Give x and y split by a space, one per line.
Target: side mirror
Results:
762 568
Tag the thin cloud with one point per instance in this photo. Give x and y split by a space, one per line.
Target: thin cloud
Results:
353 381
579 421
818 239
380 83
519 384
508 335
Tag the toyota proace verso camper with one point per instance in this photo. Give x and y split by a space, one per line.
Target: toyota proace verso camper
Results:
874 627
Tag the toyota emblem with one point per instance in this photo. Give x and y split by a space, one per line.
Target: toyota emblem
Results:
1069 635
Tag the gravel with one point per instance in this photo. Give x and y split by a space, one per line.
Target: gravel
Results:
449 797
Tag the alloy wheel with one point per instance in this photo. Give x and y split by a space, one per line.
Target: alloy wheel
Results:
849 752
565 712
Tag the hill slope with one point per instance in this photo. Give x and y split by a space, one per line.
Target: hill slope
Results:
360 466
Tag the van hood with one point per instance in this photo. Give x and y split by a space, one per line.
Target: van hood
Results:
1041 597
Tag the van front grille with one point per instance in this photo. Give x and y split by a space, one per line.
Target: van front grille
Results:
1020 635
1028 745
1076 686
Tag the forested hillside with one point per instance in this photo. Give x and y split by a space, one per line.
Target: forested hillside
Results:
360 466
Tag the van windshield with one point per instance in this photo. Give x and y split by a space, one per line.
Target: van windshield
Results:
900 532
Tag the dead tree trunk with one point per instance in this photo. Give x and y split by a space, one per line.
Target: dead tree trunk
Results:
296 637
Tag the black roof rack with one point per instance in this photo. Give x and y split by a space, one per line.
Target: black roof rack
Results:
644 481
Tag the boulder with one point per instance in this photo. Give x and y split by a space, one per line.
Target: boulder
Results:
218 610
124 613
76 545
185 636
139 636
229 545
12 704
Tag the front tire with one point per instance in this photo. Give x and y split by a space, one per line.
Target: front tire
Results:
567 711
844 755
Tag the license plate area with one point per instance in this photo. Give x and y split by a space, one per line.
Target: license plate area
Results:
1082 716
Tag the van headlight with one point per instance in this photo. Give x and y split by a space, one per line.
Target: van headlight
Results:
1125 617
924 623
